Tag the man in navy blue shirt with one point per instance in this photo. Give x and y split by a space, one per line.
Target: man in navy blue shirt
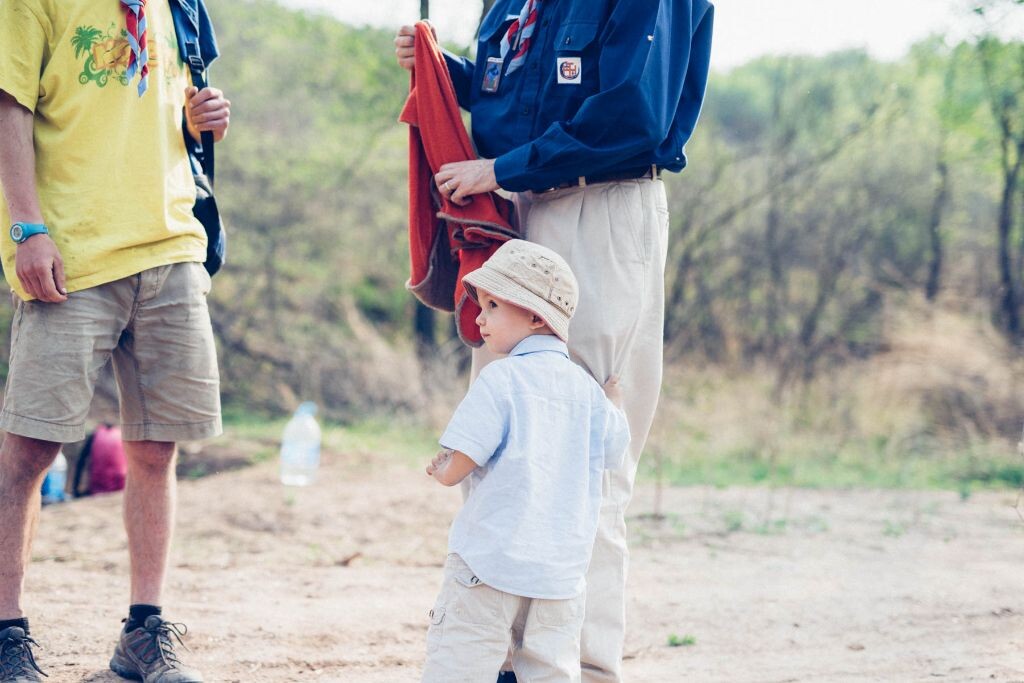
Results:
577 108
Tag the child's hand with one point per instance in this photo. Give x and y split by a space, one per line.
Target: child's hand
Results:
439 461
613 391
449 466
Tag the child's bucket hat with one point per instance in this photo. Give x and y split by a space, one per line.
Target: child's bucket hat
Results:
531 277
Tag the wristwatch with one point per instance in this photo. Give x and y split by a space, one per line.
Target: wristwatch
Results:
22 231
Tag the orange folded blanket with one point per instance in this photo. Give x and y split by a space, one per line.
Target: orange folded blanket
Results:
446 241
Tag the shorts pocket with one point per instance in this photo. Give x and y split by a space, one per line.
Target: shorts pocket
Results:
203 280
475 602
436 629
628 214
557 613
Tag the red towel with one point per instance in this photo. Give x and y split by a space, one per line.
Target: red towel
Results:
446 241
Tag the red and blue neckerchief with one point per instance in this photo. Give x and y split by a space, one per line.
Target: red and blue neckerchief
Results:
135 20
519 34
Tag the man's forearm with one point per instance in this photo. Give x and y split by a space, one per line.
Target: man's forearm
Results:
18 161
461 71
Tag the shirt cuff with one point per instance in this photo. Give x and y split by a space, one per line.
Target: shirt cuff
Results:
473 449
511 170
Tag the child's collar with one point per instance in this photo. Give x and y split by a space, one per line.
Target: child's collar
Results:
535 343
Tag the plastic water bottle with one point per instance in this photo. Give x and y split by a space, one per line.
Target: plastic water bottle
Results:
300 447
56 480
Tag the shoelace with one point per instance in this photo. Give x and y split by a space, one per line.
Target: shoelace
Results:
16 653
162 634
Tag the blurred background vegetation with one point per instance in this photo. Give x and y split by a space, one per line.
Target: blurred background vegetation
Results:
844 279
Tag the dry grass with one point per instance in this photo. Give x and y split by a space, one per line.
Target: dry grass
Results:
942 406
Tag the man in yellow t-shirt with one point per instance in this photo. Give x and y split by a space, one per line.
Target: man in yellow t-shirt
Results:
106 260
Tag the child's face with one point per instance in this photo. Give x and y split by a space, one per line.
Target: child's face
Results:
503 325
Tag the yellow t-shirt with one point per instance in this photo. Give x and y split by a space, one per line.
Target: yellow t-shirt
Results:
113 175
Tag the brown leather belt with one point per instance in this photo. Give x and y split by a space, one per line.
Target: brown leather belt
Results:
651 171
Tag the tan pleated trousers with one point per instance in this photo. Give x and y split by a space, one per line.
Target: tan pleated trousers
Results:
614 237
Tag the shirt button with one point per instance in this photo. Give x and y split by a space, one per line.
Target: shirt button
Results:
526 111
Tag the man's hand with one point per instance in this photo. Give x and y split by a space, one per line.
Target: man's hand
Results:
207 110
405 46
613 391
40 269
460 180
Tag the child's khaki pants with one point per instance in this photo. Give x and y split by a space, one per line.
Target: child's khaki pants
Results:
472 627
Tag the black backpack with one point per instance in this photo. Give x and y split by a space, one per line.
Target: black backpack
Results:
201 158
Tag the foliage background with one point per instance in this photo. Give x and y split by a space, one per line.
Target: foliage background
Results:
844 277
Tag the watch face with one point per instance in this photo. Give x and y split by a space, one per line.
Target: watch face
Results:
17 232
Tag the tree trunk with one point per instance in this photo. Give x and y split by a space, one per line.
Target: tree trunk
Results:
423 328
676 299
775 283
1018 269
1009 304
931 289
1005 102
270 284
423 317
783 133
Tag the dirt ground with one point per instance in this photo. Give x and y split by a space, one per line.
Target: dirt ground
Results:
333 582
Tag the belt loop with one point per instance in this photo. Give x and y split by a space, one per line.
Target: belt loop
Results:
654 172
583 181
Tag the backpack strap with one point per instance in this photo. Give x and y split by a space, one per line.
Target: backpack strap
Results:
80 464
198 70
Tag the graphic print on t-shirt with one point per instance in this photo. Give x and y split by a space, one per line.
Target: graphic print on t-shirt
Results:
107 54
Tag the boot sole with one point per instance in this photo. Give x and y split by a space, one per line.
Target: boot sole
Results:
124 669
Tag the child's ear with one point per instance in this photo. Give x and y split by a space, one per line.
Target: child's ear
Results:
537 322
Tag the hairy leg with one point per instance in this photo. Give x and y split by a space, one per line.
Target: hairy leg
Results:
23 464
149 504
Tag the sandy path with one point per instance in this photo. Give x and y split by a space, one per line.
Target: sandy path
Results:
333 583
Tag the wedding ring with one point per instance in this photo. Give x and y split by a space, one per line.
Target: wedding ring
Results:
448 185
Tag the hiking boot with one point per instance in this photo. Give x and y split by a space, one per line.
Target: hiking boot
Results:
17 665
147 654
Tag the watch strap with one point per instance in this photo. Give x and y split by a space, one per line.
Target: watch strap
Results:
22 231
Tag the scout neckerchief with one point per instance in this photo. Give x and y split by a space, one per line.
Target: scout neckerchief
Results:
136 24
518 35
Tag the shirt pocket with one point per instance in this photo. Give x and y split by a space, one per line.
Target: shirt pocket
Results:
490 47
576 59
491 34
575 37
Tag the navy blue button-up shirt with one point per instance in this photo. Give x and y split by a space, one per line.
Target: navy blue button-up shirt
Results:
631 91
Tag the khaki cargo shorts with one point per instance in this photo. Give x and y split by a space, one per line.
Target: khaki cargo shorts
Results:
156 329
473 626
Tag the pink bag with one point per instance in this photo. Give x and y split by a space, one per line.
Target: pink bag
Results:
103 454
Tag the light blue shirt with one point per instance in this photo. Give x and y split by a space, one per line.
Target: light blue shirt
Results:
542 432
